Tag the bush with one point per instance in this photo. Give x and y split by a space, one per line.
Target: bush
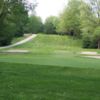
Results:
93 44
89 41
86 40
96 36
6 33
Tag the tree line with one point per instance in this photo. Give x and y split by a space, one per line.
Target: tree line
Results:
13 19
79 19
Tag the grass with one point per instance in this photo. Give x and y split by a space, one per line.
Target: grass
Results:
52 50
39 82
53 70
51 42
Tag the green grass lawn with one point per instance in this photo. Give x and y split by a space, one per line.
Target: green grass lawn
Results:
53 70
37 82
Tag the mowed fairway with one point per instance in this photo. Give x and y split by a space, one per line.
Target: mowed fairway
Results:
53 70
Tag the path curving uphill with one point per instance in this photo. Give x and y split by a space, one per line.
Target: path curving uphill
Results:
20 42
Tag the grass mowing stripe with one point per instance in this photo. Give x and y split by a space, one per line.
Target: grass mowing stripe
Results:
22 81
71 61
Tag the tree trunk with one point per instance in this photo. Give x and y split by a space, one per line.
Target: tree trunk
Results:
99 44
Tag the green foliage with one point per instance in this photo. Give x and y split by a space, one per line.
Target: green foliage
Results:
34 25
20 16
86 40
97 33
13 19
90 20
96 36
70 19
89 41
50 25
80 17
6 24
87 18
6 34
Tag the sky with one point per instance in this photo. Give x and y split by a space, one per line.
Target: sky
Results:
46 8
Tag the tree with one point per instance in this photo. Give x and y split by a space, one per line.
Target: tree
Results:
35 24
13 18
6 25
89 41
70 19
97 36
50 25
90 21
20 16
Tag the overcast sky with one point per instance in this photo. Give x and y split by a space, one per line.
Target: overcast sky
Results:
47 8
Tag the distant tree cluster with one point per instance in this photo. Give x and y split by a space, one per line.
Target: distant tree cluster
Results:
50 25
82 19
34 24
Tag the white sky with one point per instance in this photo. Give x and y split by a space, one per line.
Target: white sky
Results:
47 8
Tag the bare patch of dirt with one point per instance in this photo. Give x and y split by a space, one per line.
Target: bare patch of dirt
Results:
91 54
96 57
15 51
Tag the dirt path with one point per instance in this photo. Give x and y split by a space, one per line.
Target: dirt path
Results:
20 42
91 55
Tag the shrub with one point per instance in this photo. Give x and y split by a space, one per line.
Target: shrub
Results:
96 36
86 40
89 41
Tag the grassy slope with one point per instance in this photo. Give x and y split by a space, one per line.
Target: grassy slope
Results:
52 71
